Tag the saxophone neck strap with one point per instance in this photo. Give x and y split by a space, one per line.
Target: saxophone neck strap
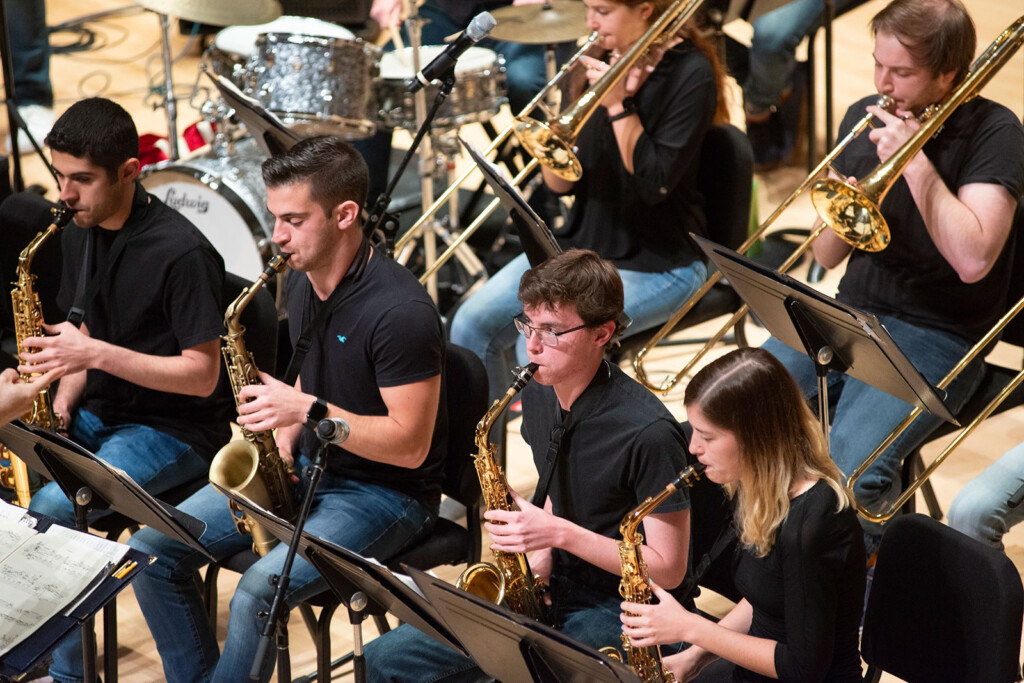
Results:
305 341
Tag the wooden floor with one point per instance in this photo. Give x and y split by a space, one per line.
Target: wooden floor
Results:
125 65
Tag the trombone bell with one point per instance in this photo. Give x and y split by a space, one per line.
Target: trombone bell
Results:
548 147
853 217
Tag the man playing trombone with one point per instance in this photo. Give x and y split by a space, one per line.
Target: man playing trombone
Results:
942 282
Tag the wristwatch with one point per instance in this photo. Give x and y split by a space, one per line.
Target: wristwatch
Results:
316 412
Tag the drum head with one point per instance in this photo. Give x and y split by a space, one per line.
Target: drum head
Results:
241 40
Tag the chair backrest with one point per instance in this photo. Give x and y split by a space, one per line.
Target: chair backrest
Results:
942 607
726 181
466 399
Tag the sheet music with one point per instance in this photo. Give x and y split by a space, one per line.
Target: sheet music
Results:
45 573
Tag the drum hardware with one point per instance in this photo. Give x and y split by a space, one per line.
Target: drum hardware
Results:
216 12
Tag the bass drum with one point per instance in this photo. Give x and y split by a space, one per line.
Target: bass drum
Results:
226 199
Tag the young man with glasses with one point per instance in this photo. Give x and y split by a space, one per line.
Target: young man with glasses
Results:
613 445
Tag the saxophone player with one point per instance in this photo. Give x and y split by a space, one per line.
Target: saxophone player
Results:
801 566
619 445
147 287
375 359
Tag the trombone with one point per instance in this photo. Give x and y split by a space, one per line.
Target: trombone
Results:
854 210
665 387
403 245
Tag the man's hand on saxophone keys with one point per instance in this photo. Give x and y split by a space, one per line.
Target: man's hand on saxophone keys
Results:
271 405
65 348
526 530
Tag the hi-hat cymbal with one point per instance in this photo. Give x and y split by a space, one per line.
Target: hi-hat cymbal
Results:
217 12
558 21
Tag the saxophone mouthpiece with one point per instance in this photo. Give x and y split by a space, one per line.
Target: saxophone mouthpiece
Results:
523 376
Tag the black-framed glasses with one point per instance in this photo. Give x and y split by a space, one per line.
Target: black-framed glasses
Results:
546 337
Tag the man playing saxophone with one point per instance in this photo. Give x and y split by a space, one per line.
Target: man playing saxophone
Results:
618 445
375 357
943 279
145 285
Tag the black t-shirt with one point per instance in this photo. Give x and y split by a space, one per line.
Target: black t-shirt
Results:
384 332
162 296
621 446
808 591
641 221
981 142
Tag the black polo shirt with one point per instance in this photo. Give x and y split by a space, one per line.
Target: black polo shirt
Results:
621 446
163 295
383 331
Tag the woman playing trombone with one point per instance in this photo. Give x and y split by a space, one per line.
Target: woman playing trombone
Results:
801 566
635 203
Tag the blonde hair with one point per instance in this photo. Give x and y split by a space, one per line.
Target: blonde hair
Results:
749 393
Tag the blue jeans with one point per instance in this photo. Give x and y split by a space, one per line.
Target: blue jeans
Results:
156 461
773 48
864 416
371 520
980 509
483 324
579 612
30 51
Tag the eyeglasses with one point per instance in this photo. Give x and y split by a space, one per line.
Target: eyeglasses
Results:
546 337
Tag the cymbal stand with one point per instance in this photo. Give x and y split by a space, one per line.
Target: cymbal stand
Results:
170 106
10 99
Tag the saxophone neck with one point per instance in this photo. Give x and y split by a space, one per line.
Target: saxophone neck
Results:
483 427
233 313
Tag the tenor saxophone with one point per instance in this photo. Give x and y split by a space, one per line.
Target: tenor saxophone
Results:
509 580
635 585
28 322
251 466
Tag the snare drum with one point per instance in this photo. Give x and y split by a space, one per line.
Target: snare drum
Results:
235 46
226 199
478 94
317 85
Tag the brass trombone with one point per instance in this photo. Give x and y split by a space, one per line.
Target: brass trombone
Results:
538 101
665 387
552 143
854 210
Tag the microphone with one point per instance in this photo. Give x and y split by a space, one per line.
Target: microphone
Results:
333 430
477 30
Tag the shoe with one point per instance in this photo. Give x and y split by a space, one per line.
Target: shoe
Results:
39 120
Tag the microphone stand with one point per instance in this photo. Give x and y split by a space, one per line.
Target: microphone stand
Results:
277 618
11 100
380 219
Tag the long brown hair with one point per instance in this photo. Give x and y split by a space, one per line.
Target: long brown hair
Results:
693 32
749 393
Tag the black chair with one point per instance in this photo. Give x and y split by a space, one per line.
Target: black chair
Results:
725 180
450 543
943 607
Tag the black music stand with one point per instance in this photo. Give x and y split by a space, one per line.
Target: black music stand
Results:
513 647
270 134
348 574
833 335
92 484
534 234
29 653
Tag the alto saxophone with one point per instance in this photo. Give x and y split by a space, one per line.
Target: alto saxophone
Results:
28 322
251 467
509 580
635 585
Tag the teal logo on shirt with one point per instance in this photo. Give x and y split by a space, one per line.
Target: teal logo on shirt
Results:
342 339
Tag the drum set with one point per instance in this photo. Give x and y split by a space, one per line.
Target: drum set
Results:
316 78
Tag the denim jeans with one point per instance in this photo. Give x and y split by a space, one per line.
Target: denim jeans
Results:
773 48
864 415
156 461
483 324
30 51
980 509
578 611
371 520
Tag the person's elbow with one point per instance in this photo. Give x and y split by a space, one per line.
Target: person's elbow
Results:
414 455
971 270
204 380
670 575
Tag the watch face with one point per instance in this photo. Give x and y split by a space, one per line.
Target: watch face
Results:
317 411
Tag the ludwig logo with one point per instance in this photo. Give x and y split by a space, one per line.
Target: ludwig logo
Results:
185 201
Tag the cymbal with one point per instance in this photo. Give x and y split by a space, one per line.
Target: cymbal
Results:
559 21
217 12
